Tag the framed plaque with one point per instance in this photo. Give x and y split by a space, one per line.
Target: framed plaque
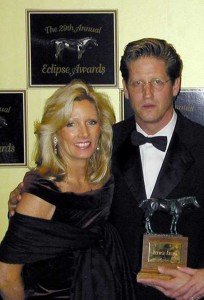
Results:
65 45
12 128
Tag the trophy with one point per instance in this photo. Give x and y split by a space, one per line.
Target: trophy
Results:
169 250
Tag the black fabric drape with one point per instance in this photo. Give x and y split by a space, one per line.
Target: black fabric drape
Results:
102 269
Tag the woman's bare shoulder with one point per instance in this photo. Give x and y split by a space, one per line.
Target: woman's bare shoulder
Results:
35 206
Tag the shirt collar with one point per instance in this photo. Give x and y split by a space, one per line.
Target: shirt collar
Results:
166 131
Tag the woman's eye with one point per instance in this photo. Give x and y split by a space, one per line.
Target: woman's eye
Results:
92 122
70 124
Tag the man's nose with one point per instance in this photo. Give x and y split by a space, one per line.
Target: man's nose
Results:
147 89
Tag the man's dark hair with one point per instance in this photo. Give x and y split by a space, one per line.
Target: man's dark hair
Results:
151 47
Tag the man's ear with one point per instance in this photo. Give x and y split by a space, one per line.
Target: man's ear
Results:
125 89
176 86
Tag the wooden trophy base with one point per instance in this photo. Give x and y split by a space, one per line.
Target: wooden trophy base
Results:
149 274
165 250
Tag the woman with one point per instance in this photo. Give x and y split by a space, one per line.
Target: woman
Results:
59 238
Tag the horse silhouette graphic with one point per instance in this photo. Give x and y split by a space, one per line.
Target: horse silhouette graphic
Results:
3 122
78 46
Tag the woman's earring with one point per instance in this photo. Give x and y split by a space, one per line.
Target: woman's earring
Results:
97 148
55 143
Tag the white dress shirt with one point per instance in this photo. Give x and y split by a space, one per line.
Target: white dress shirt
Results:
151 157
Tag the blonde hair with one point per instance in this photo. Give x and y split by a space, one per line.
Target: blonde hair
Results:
57 112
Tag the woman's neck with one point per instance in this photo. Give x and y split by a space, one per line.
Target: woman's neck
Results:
76 181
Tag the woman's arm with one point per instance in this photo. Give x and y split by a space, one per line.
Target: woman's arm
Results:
11 283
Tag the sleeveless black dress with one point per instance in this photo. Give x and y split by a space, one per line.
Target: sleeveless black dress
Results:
77 255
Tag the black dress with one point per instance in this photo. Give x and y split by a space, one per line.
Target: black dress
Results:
76 255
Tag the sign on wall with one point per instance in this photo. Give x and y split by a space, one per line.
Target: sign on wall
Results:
65 45
12 128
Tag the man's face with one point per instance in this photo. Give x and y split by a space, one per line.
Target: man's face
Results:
153 106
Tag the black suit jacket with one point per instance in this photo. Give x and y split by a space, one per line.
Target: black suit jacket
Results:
181 174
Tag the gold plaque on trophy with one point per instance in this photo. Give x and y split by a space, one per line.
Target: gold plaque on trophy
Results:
162 250
168 250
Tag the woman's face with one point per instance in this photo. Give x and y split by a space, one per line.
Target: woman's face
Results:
79 138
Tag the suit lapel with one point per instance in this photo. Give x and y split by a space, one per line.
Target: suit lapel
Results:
126 158
133 174
176 163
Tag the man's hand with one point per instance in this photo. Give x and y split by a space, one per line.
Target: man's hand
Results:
194 287
168 287
14 198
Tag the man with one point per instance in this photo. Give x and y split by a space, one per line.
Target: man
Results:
151 71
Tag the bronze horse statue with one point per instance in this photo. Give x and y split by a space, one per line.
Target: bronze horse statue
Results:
172 206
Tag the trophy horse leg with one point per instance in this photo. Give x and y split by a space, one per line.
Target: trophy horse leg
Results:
174 222
148 225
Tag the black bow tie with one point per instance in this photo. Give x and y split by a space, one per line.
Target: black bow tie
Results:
159 142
